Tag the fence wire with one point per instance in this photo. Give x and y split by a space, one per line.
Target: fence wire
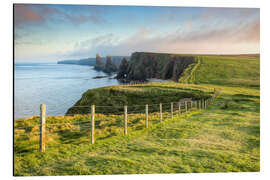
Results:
77 128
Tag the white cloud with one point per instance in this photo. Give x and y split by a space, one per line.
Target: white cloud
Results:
242 39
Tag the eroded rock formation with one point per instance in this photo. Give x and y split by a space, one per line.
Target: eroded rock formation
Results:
110 67
99 66
143 66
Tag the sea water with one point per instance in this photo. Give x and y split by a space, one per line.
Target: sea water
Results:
59 86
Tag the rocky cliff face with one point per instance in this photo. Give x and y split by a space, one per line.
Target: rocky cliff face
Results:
110 67
154 65
99 66
122 71
110 64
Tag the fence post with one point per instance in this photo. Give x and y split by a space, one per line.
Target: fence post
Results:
125 120
146 115
202 104
160 108
186 106
42 127
179 107
92 124
172 109
199 103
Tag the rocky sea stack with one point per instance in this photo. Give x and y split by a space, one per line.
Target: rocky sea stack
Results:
99 66
110 67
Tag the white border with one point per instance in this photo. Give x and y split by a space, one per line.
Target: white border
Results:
7 89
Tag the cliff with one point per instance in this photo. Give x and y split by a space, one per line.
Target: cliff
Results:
99 63
99 66
143 66
122 71
110 67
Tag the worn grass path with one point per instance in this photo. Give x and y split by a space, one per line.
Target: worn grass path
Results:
223 138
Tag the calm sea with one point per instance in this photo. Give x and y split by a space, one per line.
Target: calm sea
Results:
58 86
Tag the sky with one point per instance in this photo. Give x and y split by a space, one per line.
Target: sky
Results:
46 32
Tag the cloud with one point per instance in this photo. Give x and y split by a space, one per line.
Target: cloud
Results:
87 47
245 33
38 14
83 18
230 40
25 14
212 30
242 39
228 13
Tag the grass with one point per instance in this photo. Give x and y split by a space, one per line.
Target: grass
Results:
225 137
188 75
135 96
229 71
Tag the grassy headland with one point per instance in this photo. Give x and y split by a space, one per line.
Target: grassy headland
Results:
113 98
223 138
241 71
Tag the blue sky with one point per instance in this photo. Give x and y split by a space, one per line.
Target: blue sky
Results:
56 32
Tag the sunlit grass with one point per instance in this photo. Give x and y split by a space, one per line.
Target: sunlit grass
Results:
225 137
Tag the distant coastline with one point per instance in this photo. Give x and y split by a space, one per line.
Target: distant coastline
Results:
108 64
87 62
92 61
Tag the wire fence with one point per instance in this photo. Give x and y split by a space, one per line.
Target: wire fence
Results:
74 129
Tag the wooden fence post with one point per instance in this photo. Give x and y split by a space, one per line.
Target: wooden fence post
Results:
179 107
92 124
160 108
125 120
186 106
42 127
202 104
199 103
146 115
172 109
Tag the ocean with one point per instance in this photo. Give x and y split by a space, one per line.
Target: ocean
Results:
59 86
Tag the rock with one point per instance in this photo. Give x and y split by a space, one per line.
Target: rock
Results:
99 63
99 77
143 66
110 67
123 69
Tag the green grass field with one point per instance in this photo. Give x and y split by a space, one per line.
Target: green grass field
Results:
225 137
222 70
